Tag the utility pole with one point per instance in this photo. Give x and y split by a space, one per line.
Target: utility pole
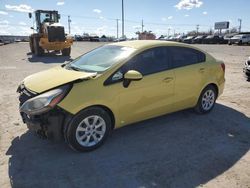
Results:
240 20
142 25
122 20
69 20
117 28
197 28
168 31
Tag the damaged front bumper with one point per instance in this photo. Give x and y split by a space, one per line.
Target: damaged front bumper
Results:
50 124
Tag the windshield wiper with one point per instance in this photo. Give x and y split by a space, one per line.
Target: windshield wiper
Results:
73 68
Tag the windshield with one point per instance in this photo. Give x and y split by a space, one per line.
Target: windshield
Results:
199 37
47 17
210 36
101 59
238 36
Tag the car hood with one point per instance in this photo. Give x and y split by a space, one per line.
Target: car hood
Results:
54 77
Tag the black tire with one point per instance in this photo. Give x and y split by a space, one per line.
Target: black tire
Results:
199 108
37 49
31 45
66 51
72 136
240 43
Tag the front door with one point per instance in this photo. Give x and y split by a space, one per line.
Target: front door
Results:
151 96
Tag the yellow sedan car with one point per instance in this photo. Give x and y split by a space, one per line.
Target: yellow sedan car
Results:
116 85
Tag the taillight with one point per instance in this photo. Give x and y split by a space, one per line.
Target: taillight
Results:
223 66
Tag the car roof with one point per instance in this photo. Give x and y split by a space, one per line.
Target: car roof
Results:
143 44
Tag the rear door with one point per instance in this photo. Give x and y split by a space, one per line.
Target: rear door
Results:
189 69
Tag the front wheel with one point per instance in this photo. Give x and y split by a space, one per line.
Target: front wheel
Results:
89 129
206 100
66 51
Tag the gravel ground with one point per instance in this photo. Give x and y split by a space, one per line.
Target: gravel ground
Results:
182 149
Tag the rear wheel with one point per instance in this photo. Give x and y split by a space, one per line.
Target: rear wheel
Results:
66 51
37 49
89 129
31 45
206 100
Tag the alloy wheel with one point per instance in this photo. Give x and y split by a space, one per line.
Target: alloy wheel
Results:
208 100
90 131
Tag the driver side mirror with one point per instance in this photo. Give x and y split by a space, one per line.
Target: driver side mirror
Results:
59 16
30 15
131 75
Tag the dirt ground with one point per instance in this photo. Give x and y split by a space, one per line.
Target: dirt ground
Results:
182 149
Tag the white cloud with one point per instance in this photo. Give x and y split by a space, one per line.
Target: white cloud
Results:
15 30
102 18
186 15
22 23
98 11
3 13
77 29
25 30
205 13
164 19
137 27
4 22
20 8
168 18
101 30
188 4
60 3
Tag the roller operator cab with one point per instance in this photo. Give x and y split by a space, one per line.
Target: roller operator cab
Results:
116 85
50 34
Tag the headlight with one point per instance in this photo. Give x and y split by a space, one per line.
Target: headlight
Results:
44 102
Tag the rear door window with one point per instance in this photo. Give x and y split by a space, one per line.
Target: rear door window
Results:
181 56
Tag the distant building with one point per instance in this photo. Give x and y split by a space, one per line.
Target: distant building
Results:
13 38
146 35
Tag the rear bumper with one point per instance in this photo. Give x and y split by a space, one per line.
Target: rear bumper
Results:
46 45
234 41
221 88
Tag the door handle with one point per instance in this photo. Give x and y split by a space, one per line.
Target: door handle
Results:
201 70
168 79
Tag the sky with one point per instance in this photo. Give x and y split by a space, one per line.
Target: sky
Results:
99 16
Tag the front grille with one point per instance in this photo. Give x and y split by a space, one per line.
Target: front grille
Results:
56 34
